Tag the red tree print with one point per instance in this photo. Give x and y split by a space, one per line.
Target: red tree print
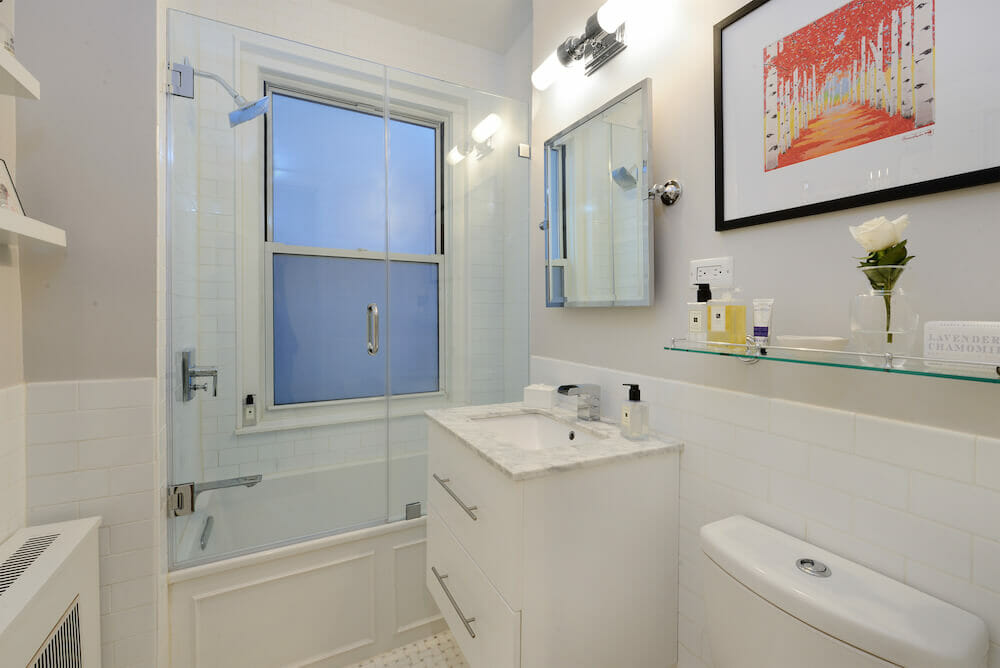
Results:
861 73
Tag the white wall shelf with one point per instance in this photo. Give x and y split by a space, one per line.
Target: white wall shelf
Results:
12 223
15 79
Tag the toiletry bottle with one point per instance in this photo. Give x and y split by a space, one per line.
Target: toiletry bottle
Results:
727 322
762 309
698 314
635 414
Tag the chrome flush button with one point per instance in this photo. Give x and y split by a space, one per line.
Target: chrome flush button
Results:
813 567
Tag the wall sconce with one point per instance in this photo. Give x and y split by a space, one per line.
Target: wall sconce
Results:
603 38
455 155
482 141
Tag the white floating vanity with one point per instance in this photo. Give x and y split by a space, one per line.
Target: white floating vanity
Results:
552 541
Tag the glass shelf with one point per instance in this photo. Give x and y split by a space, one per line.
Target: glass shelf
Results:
982 372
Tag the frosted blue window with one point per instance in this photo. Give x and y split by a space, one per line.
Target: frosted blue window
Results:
320 328
329 191
328 179
328 175
413 327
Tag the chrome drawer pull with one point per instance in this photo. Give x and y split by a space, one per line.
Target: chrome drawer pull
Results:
444 483
461 615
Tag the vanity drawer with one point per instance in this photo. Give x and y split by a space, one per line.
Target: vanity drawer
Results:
490 635
481 506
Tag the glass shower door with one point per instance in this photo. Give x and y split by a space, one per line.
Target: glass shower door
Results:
327 240
458 240
277 294
338 275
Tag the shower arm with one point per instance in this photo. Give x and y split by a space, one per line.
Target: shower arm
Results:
239 99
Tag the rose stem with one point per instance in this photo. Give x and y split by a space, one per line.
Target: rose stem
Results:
888 316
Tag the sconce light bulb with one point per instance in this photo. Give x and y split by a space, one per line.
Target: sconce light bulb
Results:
454 156
486 128
611 15
546 73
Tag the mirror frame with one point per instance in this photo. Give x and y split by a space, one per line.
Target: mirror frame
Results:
644 88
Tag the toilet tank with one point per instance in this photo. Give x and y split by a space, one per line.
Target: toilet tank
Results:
764 611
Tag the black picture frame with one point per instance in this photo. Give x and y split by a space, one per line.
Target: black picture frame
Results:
954 182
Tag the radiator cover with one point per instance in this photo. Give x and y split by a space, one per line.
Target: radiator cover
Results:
50 597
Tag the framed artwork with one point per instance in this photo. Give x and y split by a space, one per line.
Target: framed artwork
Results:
8 193
831 104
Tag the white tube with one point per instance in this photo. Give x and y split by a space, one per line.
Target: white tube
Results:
546 73
611 15
762 320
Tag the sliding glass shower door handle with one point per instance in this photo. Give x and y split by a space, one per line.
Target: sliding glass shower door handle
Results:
373 329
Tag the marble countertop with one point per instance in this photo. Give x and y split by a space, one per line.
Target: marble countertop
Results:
522 464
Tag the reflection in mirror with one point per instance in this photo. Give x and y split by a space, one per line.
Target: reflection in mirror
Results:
598 234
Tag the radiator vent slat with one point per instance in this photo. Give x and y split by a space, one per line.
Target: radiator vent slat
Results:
14 566
62 649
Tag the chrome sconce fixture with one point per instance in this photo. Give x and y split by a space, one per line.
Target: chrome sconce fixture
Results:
603 38
481 141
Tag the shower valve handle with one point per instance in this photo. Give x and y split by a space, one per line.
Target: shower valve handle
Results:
190 373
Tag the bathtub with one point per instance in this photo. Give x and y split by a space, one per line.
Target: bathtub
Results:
328 600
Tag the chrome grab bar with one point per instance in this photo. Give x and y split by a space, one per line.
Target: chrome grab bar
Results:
444 483
181 498
447 592
373 329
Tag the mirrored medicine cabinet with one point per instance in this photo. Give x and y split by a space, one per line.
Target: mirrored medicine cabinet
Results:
598 213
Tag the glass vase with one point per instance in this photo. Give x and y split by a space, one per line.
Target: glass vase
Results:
883 320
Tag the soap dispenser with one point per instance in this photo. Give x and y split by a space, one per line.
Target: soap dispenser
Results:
635 414
698 314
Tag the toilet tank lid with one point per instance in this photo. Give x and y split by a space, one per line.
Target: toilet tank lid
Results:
854 604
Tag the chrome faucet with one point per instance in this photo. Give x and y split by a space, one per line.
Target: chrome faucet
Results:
181 498
588 404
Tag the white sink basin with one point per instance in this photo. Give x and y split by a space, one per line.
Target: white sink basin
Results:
533 431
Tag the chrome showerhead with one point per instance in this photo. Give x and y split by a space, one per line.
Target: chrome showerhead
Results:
182 84
248 110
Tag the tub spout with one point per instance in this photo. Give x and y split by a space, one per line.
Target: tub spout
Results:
181 498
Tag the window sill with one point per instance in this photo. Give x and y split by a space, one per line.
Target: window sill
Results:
398 409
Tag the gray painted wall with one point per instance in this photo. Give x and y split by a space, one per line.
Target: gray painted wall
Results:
11 358
89 166
806 264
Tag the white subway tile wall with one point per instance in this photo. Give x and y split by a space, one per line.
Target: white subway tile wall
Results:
90 451
12 457
918 504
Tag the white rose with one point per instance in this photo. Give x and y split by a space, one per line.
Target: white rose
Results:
880 233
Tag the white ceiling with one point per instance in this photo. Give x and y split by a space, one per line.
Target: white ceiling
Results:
489 24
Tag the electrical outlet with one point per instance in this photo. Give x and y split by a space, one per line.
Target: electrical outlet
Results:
716 271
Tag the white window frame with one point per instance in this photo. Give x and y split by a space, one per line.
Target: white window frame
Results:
272 248
257 66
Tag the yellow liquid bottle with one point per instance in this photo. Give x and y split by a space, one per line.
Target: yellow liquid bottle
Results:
727 323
